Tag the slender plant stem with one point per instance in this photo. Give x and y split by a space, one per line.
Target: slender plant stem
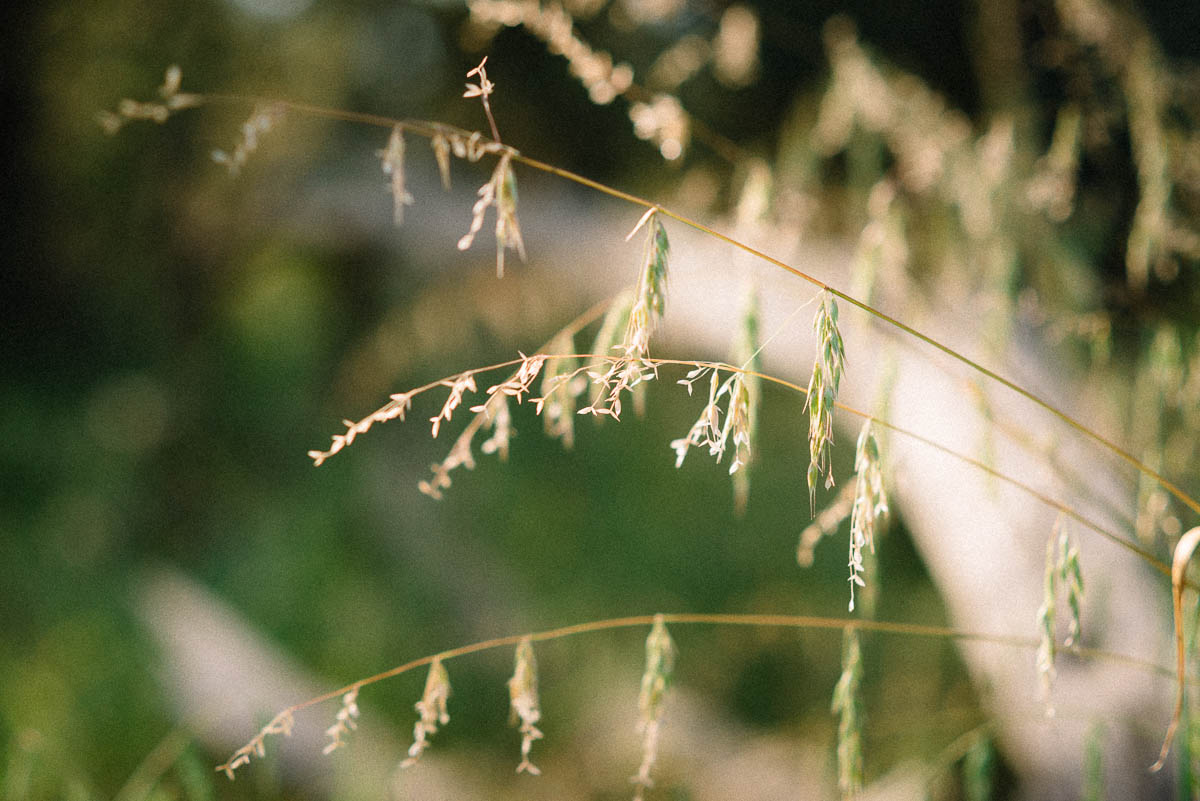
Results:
430 129
754 620
1029 489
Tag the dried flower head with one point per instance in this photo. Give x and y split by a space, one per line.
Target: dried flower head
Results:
822 393
432 711
656 679
523 700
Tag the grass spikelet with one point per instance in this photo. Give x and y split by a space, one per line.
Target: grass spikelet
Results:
523 700
847 705
560 387
432 711
1047 646
500 420
344 722
645 309
262 120
1071 575
393 166
440 144
1062 570
172 100
656 679
709 430
746 396
499 192
458 385
869 506
651 298
483 90
283 723
822 394
394 409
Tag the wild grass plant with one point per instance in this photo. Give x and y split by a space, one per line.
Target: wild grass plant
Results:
915 165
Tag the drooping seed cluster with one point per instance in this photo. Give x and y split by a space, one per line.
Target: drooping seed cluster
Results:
869 506
828 369
432 711
344 722
172 100
523 700
1062 570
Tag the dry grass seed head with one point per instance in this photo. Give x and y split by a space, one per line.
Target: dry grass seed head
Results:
172 100
631 366
523 700
656 679
392 158
561 385
344 722
869 505
432 711
262 120
828 368
500 192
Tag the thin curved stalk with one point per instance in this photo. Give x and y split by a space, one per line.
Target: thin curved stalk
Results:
426 128
282 721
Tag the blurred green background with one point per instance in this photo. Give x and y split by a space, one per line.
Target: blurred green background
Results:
175 341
